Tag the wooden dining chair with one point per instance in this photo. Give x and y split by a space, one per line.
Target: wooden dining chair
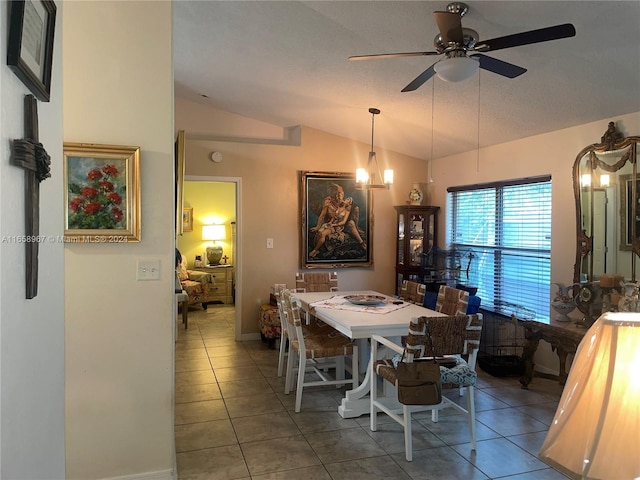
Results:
457 335
310 351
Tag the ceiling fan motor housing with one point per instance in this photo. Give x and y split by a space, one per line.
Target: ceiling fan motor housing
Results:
469 39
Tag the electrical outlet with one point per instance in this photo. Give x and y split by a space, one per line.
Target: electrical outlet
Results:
269 242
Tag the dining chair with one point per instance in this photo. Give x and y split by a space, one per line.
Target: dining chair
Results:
314 327
457 335
452 301
412 292
310 352
316 282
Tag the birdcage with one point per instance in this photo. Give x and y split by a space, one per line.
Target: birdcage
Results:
502 341
451 267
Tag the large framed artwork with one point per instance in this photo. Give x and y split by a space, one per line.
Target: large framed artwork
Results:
336 222
629 211
30 44
101 193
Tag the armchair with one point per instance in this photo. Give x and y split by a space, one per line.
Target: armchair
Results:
196 284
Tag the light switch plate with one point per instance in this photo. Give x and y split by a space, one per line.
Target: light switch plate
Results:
148 269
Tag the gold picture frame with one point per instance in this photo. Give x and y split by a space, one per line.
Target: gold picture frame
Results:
101 193
187 219
325 241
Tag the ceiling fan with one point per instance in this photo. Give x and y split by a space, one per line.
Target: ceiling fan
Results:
455 42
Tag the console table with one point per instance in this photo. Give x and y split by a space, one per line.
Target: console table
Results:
564 338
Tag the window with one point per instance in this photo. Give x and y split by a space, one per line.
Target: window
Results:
505 227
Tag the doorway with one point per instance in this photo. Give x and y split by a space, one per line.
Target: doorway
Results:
216 200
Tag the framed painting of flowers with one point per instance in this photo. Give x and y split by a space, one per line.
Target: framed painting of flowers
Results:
101 193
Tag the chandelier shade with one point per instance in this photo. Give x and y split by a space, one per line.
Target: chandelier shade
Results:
366 178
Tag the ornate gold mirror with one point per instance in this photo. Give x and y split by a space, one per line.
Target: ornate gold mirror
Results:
607 194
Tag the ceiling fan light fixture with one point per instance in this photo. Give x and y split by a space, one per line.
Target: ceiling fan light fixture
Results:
456 69
366 178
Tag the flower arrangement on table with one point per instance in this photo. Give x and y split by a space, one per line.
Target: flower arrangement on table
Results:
97 203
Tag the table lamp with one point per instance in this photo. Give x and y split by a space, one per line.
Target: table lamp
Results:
596 428
214 233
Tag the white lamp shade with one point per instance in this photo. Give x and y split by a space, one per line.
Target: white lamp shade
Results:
456 69
213 232
596 429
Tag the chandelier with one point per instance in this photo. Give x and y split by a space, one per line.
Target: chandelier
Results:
366 178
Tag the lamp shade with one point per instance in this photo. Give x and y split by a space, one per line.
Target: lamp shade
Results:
596 429
213 232
456 69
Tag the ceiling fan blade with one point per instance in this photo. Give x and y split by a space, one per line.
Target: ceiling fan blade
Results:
500 67
420 79
450 26
526 38
391 55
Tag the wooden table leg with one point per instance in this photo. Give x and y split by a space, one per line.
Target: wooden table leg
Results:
527 358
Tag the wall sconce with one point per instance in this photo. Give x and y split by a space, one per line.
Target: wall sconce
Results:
594 432
604 180
365 179
214 233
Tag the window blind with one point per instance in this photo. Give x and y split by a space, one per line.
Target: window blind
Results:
507 228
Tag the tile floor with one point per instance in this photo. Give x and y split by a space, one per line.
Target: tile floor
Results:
233 421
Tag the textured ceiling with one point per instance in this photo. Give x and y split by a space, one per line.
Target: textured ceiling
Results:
285 63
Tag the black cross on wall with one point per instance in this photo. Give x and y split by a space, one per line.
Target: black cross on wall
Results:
29 154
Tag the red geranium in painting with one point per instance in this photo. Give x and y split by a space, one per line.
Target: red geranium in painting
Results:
96 198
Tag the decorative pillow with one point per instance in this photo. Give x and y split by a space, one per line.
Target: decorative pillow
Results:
182 269
430 299
474 304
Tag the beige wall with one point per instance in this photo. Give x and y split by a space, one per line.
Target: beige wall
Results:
31 331
118 89
270 208
270 193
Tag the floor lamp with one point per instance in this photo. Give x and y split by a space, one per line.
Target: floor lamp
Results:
596 429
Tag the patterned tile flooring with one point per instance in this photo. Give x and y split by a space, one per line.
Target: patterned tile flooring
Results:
233 421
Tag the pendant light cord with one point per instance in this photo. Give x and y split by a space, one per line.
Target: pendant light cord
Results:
478 132
433 90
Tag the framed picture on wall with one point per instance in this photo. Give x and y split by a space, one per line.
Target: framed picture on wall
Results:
187 219
101 193
336 221
30 45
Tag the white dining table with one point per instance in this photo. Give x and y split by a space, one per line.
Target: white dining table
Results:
359 324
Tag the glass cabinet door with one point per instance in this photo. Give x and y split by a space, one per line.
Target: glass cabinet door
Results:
400 253
416 242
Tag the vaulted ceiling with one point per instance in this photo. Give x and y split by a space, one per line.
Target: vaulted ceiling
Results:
285 63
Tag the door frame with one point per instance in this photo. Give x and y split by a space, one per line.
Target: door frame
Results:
236 247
